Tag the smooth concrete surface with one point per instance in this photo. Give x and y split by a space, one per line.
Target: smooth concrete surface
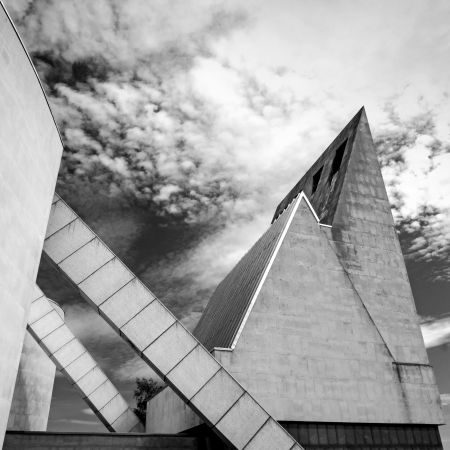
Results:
48 328
152 331
30 153
32 397
167 413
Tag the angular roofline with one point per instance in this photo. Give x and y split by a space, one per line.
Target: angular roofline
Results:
301 196
34 70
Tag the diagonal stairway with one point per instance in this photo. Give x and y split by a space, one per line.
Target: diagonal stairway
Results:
157 336
75 362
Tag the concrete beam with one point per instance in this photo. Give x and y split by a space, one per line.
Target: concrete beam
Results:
157 336
49 330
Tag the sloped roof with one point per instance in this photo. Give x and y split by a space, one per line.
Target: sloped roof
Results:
324 199
227 307
230 301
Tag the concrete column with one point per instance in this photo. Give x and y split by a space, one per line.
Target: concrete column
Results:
30 153
32 397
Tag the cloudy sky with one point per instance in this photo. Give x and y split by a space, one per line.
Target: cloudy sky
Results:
186 122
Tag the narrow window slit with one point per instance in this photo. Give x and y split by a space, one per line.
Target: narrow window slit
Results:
316 179
337 160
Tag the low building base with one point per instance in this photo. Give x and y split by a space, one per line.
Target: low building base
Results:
323 436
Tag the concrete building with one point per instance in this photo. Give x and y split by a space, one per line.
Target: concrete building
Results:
317 320
314 329
32 397
30 153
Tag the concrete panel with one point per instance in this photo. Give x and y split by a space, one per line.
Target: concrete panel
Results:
103 283
191 374
75 362
177 340
46 324
267 438
114 409
55 340
103 395
217 396
86 260
30 406
126 303
77 369
68 240
91 380
127 421
62 217
30 153
146 326
41 307
69 353
242 422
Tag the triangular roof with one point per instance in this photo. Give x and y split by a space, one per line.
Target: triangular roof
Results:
226 311
322 183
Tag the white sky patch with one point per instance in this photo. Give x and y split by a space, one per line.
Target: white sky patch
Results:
436 332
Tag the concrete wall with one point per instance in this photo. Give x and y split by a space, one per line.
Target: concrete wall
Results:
30 152
34 387
167 413
327 359
70 441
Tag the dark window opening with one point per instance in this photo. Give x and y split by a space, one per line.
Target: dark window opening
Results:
316 179
337 160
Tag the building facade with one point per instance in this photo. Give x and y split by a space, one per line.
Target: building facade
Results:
317 320
30 153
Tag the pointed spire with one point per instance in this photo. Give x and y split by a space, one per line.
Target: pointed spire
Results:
322 183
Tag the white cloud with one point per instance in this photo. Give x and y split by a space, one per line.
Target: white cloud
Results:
436 331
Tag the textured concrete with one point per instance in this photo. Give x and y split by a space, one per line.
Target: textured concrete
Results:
48 328
34 387
30 152
331 333
153 332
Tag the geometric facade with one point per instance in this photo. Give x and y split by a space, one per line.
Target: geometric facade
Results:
30 154
317 320
314 329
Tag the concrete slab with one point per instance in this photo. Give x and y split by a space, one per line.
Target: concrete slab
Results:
86 260
268 438
217 396
68 240
62 217
103 283
242 421
147 325
126 303
193 372
170 348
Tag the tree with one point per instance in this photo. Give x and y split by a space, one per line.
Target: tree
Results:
146 389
